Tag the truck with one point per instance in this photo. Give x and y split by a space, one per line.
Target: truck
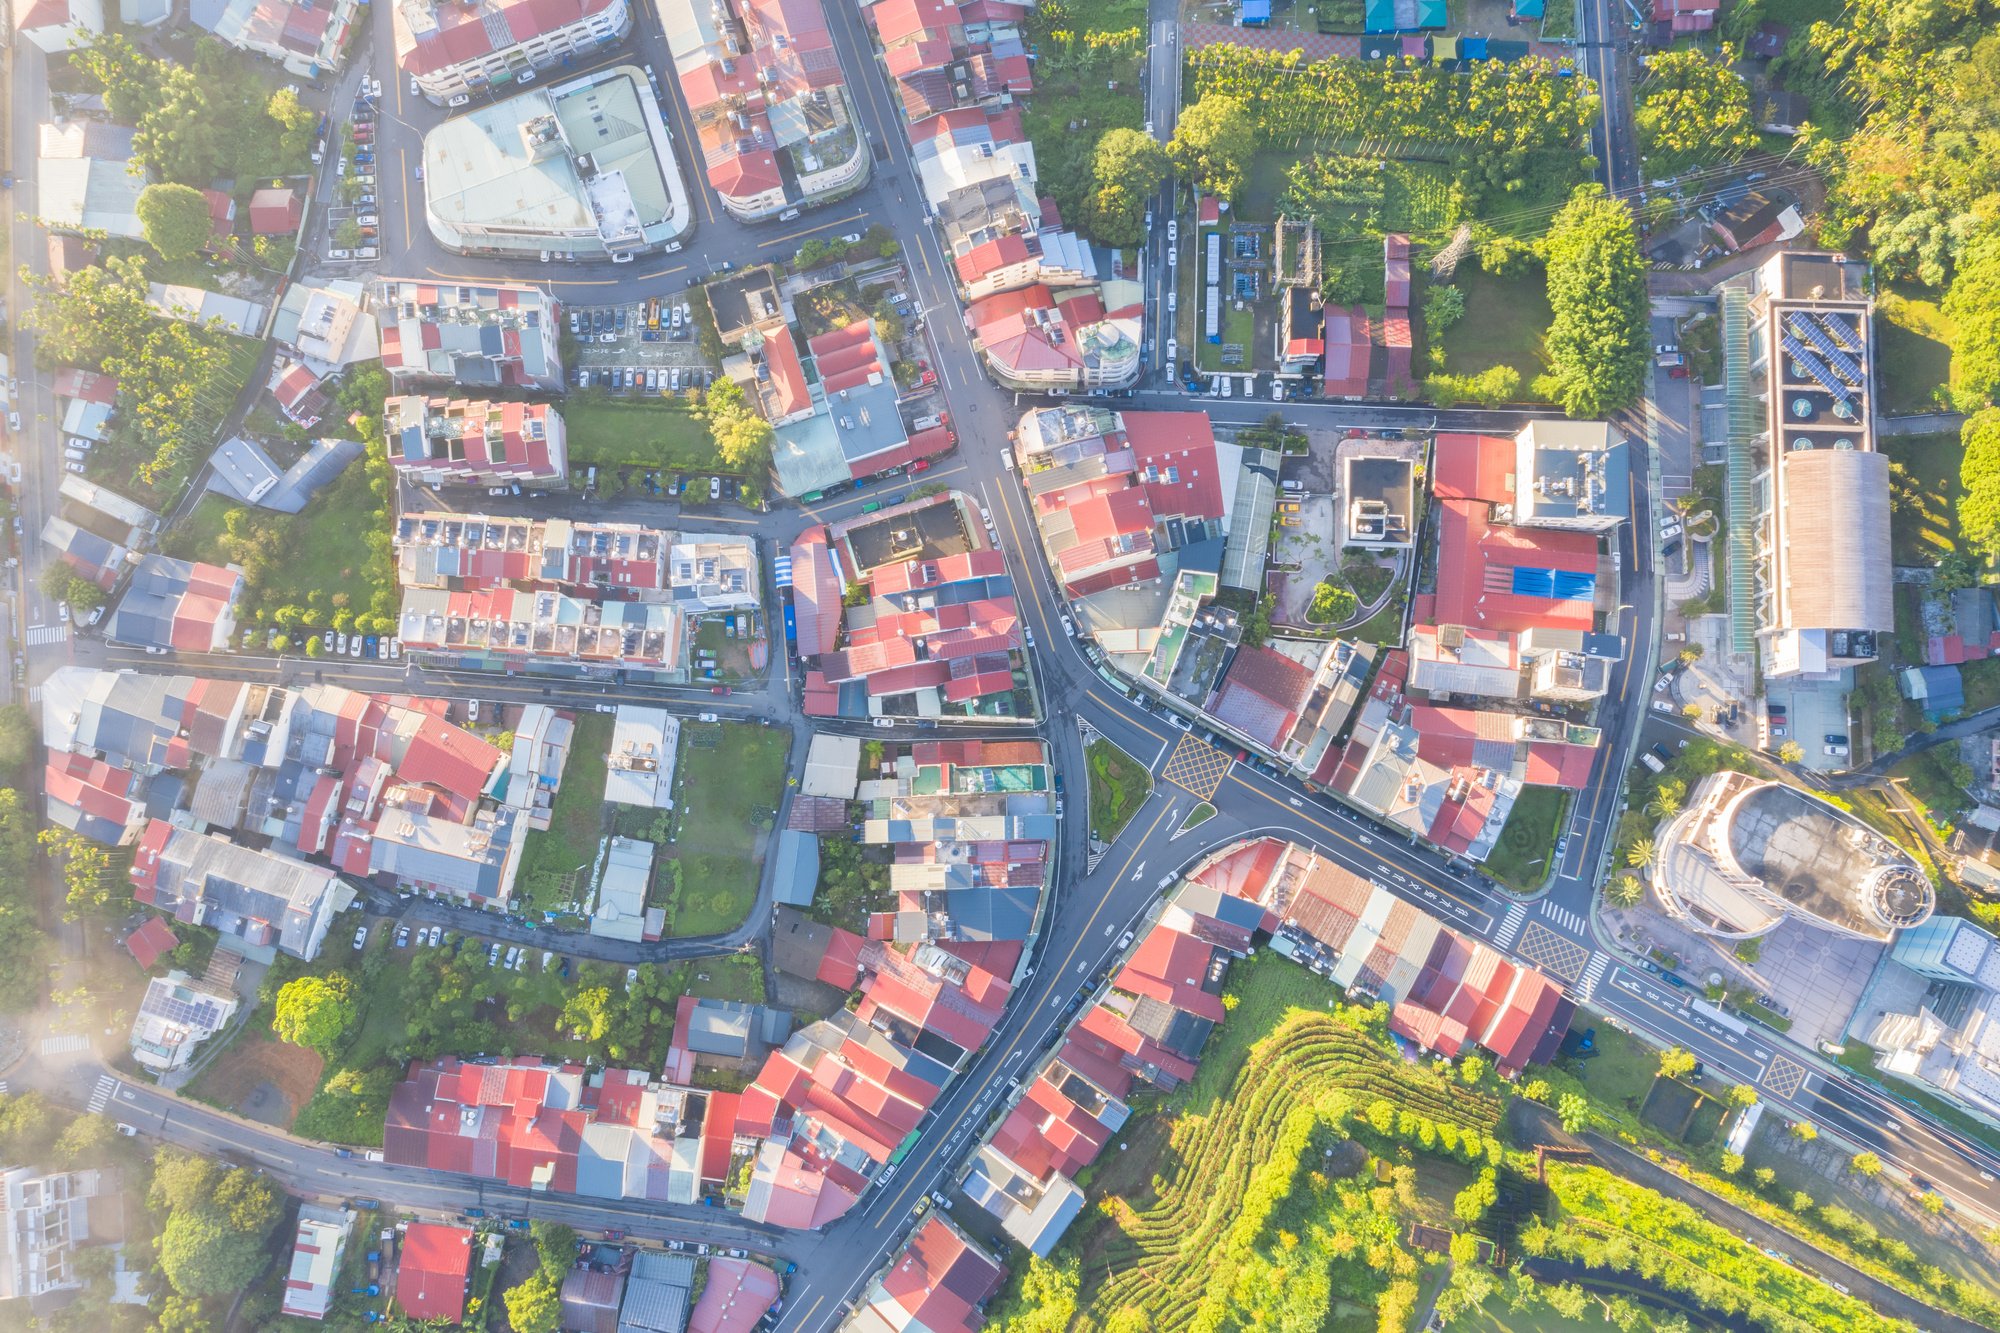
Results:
1652 761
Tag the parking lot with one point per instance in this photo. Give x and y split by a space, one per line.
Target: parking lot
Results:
349 232
618 344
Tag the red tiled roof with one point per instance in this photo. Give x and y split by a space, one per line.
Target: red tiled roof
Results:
1185 443
1554 764
430 1277
151 941
449 757
734 1298
466 33
939 1281
1474 467
1477 561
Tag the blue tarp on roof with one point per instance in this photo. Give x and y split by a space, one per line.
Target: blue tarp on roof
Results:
1472 48
1254 12
1431 14
1527 9
1558 584
1381 15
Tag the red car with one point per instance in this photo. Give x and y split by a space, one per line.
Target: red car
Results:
719 689
921 465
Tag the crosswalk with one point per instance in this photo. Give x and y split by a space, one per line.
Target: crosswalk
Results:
1510 926
1586 988
100 1096
1570 923
40 636
75 1041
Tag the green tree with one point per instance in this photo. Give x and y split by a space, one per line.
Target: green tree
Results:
1804 1131
556 1243
1489 388
1933 1202
23 961
1214 142
1979 474
1332 604
1471 1069
85 1140
89 886
1574 1111
742 438
1676 1063
203 1256
17 738
1865 1164
64 584
175 220
534 1306
1444 306
1642 852
588 1012
1743 1096
1790 753
1597 342
316 1012
1048 1297
1473 1201
1624 891
1972 305
1126 171
1693 106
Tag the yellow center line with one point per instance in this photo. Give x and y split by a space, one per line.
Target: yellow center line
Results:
817 227
1163 740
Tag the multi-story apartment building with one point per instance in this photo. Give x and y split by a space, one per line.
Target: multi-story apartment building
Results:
450 49
475 442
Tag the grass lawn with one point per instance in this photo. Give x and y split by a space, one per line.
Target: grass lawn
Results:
1118 787
1495 1317
333 528
1527 844
1982 684
653 433
575 823
1385 626
1923 523
1623 1070
1074 106
1201 814
1367 579
730 778
1914 350
1505 319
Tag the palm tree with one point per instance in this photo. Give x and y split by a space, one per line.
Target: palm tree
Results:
1624 891
1666 802
1642 853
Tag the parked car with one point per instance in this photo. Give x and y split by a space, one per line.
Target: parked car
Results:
360 936
715 488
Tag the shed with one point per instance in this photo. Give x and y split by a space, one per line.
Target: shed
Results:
1254 13
797 871
275 212
150 942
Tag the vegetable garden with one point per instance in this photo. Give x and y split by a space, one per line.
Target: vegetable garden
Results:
1188 1256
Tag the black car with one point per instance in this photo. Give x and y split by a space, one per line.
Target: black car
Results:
1666 755
1835 738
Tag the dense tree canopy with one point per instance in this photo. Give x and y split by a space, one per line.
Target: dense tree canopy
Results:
197 122
1214 142
1596 343
316 1012
1126 170
175 219
1972 304
17 739
1979 474
742 437
534 1306
1692 107
217 1223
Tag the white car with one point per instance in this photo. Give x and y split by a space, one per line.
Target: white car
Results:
631 977
62 612
340 649
1669 531
1173 257
885 723
852 238
1173 230
360 936
460 100
715 488
525 76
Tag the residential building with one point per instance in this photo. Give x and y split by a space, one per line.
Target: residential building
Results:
736 1296
1380 495
433 1271
54 26
153 940
1798 363
624 881
176 1015
179 605
1746 854
938 1283
773 125
208 309
1036 341
476 442
276 210
87 553
640 769
44 1217
85 180
845 426
326 326
944 55
262 903
307 39
582 170
1571 475
938 634
448 49
590 1299
477 336
657 1293
317 1248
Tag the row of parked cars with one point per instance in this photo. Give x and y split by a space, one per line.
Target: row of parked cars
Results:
662 379
362 125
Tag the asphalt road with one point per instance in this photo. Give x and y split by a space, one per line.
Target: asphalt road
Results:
1092 907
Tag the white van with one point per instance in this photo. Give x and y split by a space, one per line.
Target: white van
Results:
788 215
75 455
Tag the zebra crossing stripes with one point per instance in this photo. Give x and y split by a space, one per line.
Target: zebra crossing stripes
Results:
1587 988
1563 919
75 1041
40 636
100 1096
3 1087
1510 926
